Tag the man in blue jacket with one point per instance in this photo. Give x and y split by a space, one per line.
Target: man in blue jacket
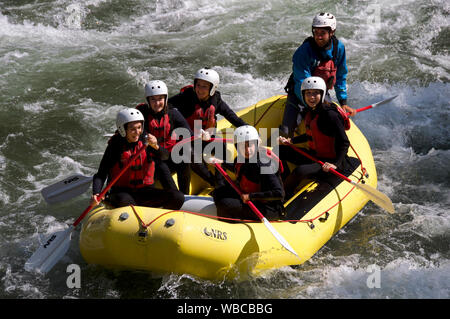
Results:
320 55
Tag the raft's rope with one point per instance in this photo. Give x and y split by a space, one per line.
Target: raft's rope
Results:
270 106
324 212
145 226
363 169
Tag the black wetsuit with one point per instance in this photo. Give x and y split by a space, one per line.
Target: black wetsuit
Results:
124 196
164 168
186 102
268 199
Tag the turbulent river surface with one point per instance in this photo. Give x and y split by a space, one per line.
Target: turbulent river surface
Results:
67 67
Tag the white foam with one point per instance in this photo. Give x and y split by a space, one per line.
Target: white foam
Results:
16 283
38 107
401 278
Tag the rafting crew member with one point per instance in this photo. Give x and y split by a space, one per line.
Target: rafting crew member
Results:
202 102
257 175
136 185
161 122
321 54
325 134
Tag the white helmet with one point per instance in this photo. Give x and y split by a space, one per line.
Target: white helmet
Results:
324 20
156 87
245 133
210 76
314 83
127 116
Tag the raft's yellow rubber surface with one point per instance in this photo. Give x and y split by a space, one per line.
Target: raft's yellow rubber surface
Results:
183 242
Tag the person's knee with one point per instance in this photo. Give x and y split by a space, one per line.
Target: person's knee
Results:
176 199
121 200
228 207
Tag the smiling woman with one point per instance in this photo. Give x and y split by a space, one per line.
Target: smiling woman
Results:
136 185
133 131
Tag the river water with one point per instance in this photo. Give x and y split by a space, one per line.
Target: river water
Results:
67 67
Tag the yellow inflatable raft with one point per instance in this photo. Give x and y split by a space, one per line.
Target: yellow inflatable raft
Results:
194 241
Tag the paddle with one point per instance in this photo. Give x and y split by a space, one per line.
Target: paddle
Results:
258 213
57 244
374 105
374 195
66 189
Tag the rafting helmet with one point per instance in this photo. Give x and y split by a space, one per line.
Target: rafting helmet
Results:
324 20
127 116
314 83
156 87
245 133
208 75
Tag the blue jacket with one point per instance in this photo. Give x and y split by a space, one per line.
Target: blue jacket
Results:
305 60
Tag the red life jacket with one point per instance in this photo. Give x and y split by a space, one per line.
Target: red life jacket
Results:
139 174
161 130
327 71
246 185
206 116
322 144
327 68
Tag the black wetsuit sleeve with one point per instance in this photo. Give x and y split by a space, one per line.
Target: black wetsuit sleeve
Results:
183 102
176 101
224 110
299 139
178 120
161 153
273 189
106 164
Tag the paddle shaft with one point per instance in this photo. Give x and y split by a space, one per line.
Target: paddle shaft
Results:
108 187
230 181
269 226
320 162
373 105
375 196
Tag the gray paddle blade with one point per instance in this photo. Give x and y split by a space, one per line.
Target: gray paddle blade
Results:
384 101
50 252
66 189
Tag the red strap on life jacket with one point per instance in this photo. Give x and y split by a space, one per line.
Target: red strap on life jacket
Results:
139 174
327 71
207 117
322 144
161 130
